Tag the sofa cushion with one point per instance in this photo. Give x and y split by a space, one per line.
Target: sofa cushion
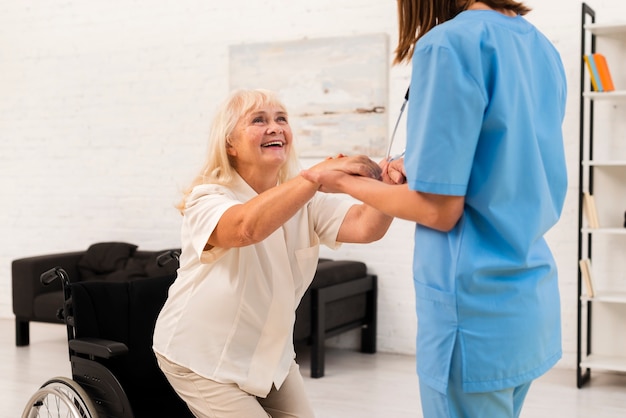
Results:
103 258
340 271
134 269
141 266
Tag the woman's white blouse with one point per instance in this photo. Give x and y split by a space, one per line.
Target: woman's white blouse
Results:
230 313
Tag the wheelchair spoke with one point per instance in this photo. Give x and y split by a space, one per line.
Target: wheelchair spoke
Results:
60 398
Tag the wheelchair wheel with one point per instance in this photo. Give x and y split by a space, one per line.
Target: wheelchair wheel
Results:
60 397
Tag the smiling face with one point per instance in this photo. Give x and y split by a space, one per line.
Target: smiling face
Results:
259 144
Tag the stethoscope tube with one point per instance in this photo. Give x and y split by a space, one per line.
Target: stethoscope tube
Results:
395 128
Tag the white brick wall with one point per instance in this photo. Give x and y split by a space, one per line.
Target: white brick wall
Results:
105 106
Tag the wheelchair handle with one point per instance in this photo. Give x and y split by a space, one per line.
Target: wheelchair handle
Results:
166 257
51 275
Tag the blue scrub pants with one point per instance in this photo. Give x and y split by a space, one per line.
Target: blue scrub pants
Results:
455 403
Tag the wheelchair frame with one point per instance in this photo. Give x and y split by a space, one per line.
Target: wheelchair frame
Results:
94 391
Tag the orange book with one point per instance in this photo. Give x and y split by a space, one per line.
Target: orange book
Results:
603 71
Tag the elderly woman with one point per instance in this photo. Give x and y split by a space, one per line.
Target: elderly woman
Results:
250 236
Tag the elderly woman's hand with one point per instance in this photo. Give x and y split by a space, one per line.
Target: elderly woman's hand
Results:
360 165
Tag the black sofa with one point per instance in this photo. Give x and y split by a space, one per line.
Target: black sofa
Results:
111 261
342 296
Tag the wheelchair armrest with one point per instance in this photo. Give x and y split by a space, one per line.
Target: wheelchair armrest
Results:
98 347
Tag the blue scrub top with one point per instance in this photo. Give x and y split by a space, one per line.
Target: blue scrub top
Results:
485 113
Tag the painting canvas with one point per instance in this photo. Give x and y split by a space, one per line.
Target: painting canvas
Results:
335 89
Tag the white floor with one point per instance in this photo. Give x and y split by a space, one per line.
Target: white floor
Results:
355 385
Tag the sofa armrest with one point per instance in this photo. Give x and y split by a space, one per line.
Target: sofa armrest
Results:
25 278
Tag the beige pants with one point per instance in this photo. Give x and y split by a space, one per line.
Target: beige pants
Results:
209 399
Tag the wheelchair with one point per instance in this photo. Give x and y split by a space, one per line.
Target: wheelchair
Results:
114 371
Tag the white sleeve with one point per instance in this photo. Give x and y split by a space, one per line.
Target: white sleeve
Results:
205 206
328 212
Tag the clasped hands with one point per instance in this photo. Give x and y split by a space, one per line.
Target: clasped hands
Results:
329 173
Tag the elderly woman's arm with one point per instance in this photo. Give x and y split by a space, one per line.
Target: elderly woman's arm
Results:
253 221
363 224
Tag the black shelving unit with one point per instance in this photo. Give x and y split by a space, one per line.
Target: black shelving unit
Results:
587 45
606 173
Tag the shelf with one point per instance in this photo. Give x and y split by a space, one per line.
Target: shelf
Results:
604 163
604 29
607 231
607 297
605 95
597 361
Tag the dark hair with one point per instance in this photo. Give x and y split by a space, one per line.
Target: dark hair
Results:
417 17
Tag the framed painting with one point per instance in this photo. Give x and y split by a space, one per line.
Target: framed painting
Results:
335 89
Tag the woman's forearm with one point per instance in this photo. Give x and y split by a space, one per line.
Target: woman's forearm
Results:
253 221
435 211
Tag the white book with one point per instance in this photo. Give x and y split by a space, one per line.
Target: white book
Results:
585 270
591 213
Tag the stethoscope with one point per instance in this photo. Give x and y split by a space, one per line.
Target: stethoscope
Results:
395 128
